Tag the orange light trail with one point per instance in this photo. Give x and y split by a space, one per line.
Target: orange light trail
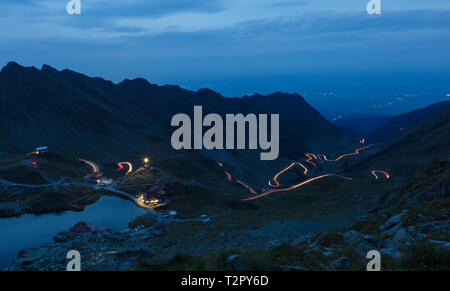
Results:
310 157
293 187
322 157
356 152
270 184
275 178
379 171
94 166
226 173
130 167
248 187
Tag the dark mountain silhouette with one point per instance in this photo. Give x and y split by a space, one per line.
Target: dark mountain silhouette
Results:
426 139
69 111
360 127
402 122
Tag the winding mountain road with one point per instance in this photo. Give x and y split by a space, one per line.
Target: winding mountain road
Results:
128 164
382 172
310 158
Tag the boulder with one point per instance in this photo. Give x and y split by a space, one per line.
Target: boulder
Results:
292 268
327 253
274 243
358 255
237 263
444 244
158 232
343 262
64 236
393 230
82 227
301 239
402 236
391 252
364 247
396 219
121 260
354 236
389 244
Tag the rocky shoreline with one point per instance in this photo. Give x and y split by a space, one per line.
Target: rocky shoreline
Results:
19 207
341 249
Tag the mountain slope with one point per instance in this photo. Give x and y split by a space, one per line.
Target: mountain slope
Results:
70 111
402 122
425 139
361 127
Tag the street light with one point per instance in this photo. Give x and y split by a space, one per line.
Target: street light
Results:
146 163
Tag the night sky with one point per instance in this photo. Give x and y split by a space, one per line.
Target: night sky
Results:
343 60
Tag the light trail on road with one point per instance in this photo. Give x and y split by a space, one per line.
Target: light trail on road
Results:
275 178
356 152
322 158
382 172
226 173
94 166
310 158
248 187
130 167
293 187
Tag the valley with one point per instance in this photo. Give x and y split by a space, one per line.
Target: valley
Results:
322 204
280 218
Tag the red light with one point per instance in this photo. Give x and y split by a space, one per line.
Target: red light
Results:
34 163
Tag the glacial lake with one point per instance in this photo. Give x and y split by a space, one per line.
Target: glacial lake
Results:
31 231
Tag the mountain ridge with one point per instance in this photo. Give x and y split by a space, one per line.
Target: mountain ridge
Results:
55 105
425 139
402 121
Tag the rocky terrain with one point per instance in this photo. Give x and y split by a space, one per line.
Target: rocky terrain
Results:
320 206
408 225
408 235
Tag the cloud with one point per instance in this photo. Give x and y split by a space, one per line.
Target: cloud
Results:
154 8
115 8
305 30
194 39
288 3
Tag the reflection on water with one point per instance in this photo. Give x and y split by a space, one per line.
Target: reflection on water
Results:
34 230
